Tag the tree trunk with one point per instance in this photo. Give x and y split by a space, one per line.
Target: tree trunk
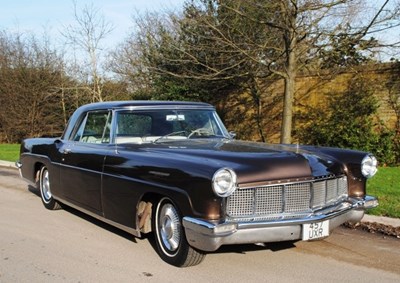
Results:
286 130
255 93
289 90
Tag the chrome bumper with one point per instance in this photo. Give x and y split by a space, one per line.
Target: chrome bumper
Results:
209 236
18 164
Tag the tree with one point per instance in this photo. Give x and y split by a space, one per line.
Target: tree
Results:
246 41
31 78
162 52
90 29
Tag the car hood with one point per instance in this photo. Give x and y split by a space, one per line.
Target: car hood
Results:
252 161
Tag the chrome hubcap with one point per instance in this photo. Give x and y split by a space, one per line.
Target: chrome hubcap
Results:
45 186
169 227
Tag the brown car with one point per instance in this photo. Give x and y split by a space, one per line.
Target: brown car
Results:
173 169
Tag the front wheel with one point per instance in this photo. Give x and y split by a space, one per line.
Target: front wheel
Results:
44 186
170 237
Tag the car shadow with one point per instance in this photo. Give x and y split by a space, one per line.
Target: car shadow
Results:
89 218
246 248
34 190
238 249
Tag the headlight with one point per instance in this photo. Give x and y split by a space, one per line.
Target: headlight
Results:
224 182
369 166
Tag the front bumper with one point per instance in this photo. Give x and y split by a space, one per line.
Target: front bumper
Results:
209 236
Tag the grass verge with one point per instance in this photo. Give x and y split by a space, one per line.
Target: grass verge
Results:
9 152
386 186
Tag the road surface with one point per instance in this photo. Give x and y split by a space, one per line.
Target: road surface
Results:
37 245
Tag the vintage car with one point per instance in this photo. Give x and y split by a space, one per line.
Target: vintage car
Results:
173 169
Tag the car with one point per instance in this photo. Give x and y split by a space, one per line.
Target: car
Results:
174 170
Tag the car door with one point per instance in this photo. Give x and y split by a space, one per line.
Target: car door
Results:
122 184
83 159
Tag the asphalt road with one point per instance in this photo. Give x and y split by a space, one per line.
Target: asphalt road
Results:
37 245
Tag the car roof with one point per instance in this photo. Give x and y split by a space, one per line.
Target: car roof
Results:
142 103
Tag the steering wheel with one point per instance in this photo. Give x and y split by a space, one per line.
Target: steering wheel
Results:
200 132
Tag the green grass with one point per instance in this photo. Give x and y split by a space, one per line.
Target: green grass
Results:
386 186
9 152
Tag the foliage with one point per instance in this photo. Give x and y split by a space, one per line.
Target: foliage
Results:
212 49
32 84
345 50
37 96
218 45
393 86
349 122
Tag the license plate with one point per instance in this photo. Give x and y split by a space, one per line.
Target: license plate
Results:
315 230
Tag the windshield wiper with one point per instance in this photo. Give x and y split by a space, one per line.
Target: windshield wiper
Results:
170 134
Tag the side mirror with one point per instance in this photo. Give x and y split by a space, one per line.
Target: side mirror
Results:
232 134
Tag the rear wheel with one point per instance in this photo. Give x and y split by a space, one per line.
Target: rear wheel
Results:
170 237
44 186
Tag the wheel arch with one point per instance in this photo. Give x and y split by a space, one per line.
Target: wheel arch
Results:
145 205
36 170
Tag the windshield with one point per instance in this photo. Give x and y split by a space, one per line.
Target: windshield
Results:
139 126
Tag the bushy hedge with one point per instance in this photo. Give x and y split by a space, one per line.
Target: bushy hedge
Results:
350 121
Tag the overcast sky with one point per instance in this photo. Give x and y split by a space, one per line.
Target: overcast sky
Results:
50 16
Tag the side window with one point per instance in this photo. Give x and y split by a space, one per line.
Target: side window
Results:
131 127
94 128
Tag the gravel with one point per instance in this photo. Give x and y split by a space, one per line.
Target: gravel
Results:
374 227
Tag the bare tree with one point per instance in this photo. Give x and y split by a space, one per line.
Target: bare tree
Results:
127 62
89 31
248 41
31 74
187 52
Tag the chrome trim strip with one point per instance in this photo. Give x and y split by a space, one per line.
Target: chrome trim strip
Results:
309 219
287 182
369 202
161 107
77 168
101 218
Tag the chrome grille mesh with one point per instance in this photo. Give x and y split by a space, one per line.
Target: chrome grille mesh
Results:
297 197
243 204
319 194
268 200
288 200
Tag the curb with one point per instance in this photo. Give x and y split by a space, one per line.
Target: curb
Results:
393 222
7 164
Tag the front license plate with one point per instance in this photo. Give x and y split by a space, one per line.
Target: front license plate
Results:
315 230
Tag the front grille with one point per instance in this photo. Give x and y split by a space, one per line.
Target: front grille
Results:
285 201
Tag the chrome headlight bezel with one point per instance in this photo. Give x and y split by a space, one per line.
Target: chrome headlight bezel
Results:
369 166
224 182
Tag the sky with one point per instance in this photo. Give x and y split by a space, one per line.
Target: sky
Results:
51 16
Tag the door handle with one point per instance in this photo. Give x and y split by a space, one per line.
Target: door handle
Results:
67 150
